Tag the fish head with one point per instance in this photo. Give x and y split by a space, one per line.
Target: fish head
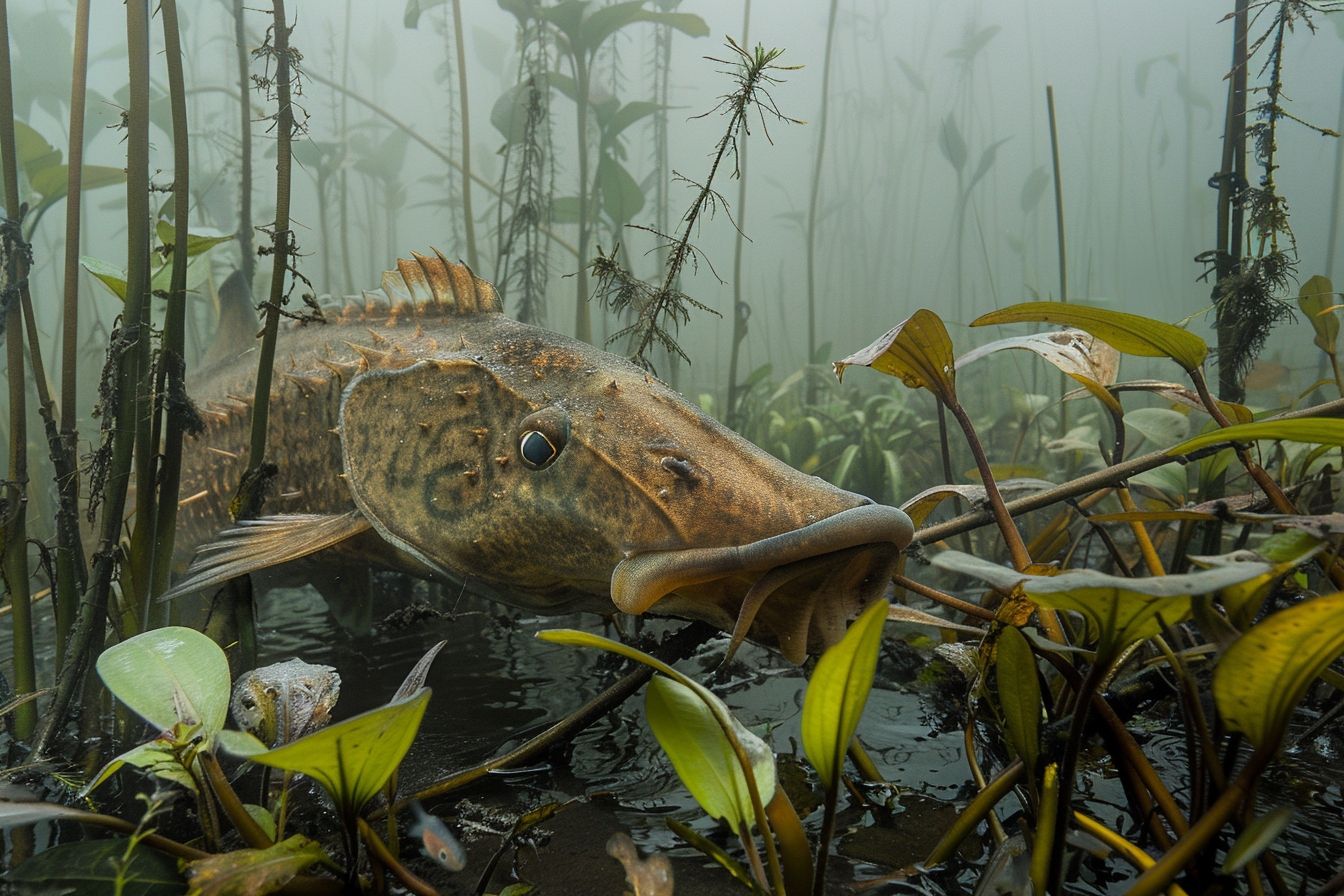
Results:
564 477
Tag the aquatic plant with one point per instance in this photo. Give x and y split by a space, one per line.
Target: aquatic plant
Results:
662 310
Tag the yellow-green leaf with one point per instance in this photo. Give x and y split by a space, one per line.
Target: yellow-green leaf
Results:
918 350
1316 298
1019 694
1265 673
1129 333
114 278
1285 550
196 243
838 692
352 759
1124 610
1320 430
1257 837
704 757
253 872
170 675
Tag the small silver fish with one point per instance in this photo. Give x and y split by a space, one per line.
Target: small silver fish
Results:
436 840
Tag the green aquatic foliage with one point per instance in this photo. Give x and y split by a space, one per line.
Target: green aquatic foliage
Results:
177 679
99 868
353 759
254 871
1129 333
1019 692
918 351
47 176
1318 430
689 733
838 692
1266 672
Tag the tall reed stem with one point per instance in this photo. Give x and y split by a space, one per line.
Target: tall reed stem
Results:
282 240
816 190
172 365
1059 196
71 570
247 257
13 527
740 310
468 219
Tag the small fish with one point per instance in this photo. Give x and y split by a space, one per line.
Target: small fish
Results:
436 840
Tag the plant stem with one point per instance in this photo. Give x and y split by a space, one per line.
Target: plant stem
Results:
248 258
71 570
13 528
251 832
740 310
1231 181
816 189
827 832
468 218
1011 537
1069 768
975 812
282 243
1059 196
379 850
583 323
172 366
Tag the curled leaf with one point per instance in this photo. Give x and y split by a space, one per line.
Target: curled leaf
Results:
1316 298
918 350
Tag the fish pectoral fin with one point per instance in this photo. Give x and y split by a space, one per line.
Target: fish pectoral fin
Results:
261 543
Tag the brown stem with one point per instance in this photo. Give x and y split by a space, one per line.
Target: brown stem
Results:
955 603
233 807
1012 537
379 850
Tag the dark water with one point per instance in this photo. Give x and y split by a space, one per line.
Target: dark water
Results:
496 685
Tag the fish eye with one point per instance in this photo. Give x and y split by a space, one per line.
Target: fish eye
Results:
542 436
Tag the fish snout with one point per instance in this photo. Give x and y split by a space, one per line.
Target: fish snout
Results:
796 589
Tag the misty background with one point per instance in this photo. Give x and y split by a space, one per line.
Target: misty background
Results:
1139 92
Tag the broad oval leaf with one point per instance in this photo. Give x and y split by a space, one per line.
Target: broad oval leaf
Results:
622 198
1316 298
918 350
170 675
1130 333
352 759
1319 430
838 692
951 144
1019 694
704 759
1265 673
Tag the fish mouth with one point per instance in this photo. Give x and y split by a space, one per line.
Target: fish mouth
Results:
796 590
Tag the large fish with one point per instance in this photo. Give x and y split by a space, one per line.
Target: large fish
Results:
424 431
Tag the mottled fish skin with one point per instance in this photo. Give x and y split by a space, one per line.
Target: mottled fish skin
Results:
412 412
282 702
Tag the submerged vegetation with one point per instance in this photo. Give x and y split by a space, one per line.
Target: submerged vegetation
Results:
1157 557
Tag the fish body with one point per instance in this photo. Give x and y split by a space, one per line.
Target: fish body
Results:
436 840
422 430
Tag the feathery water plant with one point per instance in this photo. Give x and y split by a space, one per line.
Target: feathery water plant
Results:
662 310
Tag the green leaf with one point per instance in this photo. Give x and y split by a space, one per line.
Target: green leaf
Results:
352 759
725 718
1159 426
951 144
622 198
1034 188
704 758
113 278
1124 610
1285 550
1319 430
1266 672
626 116
416 8
1019 694
51 182
156 757
1129 333
196 243
1257 837
170 675
918 350
509 114
253 872
838 692
89 868
1316 298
